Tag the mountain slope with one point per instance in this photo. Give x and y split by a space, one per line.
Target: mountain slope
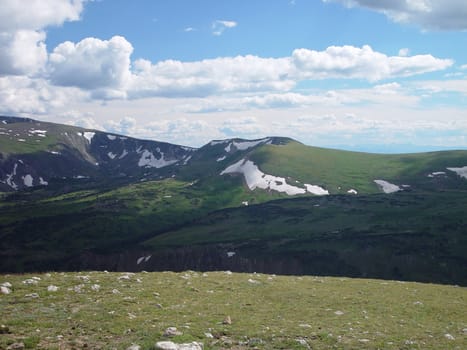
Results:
35 153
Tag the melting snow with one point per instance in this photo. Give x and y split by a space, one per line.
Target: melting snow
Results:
221 159
387 187
89 135
319 191
217 142
149 161
437 173
38 131
28 179
187 159
462 172
124 153
43 182
255 178
111 155
9 178
352 191
244 145
111 137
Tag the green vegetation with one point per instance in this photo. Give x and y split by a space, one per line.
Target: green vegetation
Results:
338 171
112 311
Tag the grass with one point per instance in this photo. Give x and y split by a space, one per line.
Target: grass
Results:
267 312
338 171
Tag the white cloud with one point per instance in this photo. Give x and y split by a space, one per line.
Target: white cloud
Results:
404 52
361 63
93 64
23 95
219 26
429 14
22 52
22 40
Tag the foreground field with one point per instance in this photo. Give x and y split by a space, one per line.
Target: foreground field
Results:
99 310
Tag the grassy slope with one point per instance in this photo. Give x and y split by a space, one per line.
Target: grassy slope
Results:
405 236
39 225
274 313
338 171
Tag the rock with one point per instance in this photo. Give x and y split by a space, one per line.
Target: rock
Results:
52 288
227 320
208 335
168 345
172 332
134 347
252 281
6 284
32 295
4 329
338 313
30 281
95 287
5 290
449 336
16 346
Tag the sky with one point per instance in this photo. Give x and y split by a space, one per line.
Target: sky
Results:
369 75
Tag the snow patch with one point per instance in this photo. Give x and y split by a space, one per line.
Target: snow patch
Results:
187 159
255 178
220 159
27 179
4 122
437 173
80 177
54 152
462 172
89 135
21 140
143 259
149 161
38 132
352 191
111 137
230 254
387 187
317 190
111 155
244 145
9 178
217 142
42 181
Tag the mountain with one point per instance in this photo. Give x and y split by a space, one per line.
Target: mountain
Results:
35 153
77 198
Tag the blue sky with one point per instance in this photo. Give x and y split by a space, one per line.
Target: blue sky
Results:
355 74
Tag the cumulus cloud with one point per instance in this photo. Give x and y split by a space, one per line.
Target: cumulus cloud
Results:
92 64
23 95
250 73
361 63
219 26
22 39
429 14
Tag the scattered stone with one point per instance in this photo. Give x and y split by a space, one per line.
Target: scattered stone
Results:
95 287
303 342
418 303
168 345
32 295
6 284
30 281
252 281
159 306
339 313
227 320
115 291
124 277
449 336
208 335
4 329
228 272
304 325
52 288
464 331
172 332
134 347
363 340
5 290
15 346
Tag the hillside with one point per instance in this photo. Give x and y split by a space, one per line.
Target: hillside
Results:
84 199
98 310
